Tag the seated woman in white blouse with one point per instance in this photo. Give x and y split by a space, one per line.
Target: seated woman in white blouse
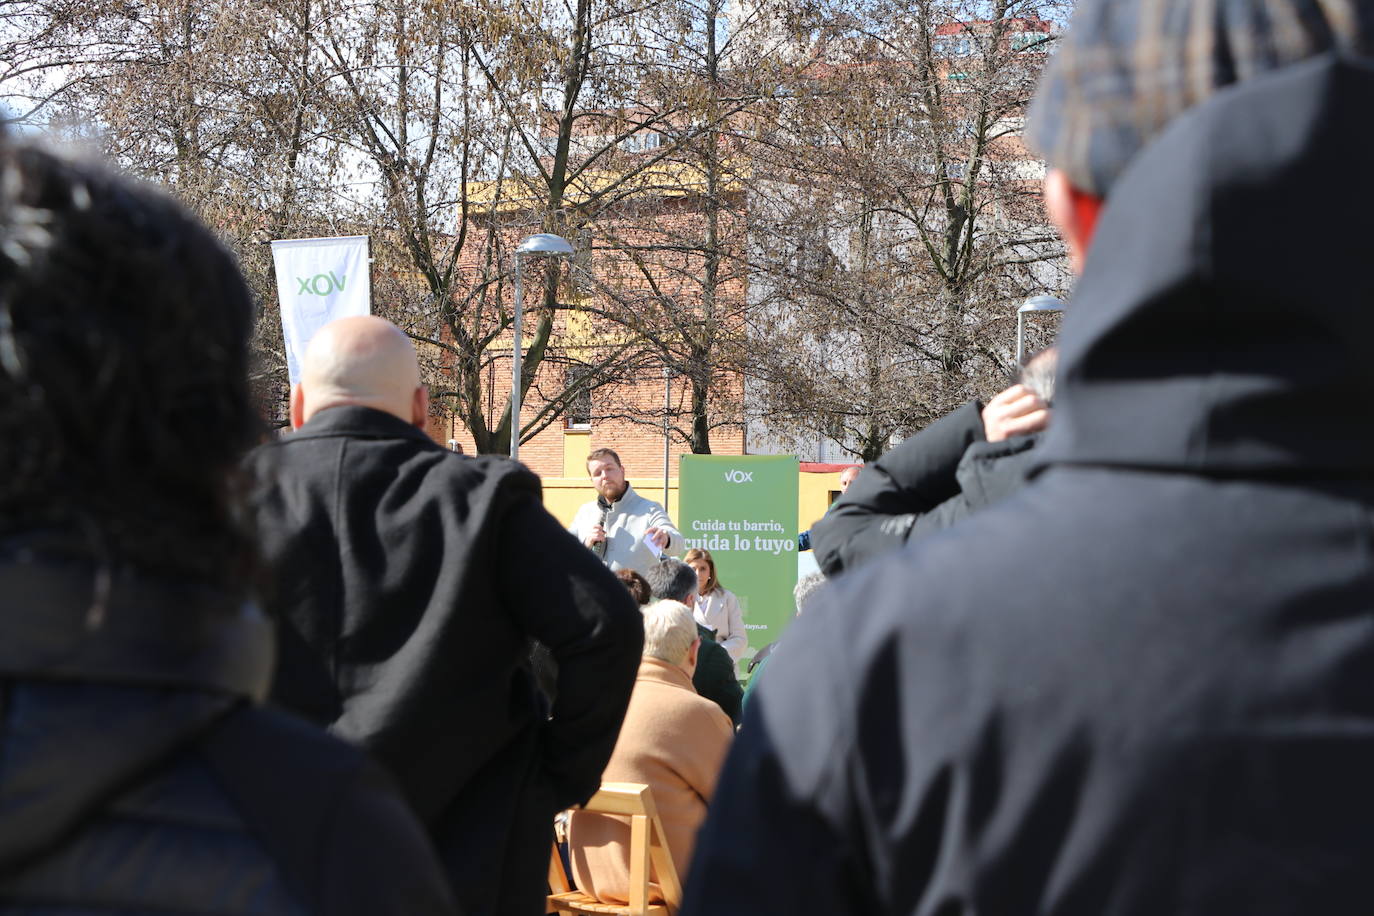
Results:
717 608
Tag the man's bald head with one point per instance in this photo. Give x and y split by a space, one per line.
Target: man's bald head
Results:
362 361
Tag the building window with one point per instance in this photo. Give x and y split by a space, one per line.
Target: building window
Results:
954 47
578 412
642 142
580 272
582 252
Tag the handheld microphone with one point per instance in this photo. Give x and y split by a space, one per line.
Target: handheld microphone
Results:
600 547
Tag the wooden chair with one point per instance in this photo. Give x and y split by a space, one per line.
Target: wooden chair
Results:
648 847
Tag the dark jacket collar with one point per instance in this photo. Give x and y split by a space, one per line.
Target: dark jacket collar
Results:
364 422
1222 324
146 632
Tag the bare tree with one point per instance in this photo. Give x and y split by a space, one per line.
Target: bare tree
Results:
906 219
828 198
682 289
217 103
638 160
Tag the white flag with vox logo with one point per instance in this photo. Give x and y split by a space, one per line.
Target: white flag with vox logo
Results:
318 280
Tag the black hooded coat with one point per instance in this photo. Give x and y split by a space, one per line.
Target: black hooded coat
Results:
1144 683
138 774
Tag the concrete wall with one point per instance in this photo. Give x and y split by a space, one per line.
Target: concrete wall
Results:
815 492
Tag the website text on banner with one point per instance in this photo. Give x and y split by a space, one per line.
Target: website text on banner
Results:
744 510
319 280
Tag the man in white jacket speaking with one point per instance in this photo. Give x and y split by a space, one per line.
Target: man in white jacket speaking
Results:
623 528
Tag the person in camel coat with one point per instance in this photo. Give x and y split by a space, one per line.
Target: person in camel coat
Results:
673 741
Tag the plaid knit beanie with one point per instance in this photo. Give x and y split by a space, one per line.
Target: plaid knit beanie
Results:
1125 68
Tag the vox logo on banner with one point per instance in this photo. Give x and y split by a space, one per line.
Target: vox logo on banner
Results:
744 510
318 280
310 286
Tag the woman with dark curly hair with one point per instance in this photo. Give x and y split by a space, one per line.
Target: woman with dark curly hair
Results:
142 774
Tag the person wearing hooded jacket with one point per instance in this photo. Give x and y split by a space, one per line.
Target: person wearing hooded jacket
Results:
1140 685
140 771
966 460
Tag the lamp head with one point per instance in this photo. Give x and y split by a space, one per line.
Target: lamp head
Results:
1042 304
545 243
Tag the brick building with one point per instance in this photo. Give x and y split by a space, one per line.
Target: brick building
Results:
638 270
630 311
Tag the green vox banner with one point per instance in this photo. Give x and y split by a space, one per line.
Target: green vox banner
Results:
743 509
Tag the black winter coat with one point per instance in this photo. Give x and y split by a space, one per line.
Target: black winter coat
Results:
988 472
1142 684
137 775
938 477
409 582
716 677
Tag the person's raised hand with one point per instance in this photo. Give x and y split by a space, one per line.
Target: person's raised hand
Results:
1018 411
598 535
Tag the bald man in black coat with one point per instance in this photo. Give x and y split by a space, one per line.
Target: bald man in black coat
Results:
408 582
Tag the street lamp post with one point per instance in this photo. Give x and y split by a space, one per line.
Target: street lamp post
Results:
1033 304
667 408
543 243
